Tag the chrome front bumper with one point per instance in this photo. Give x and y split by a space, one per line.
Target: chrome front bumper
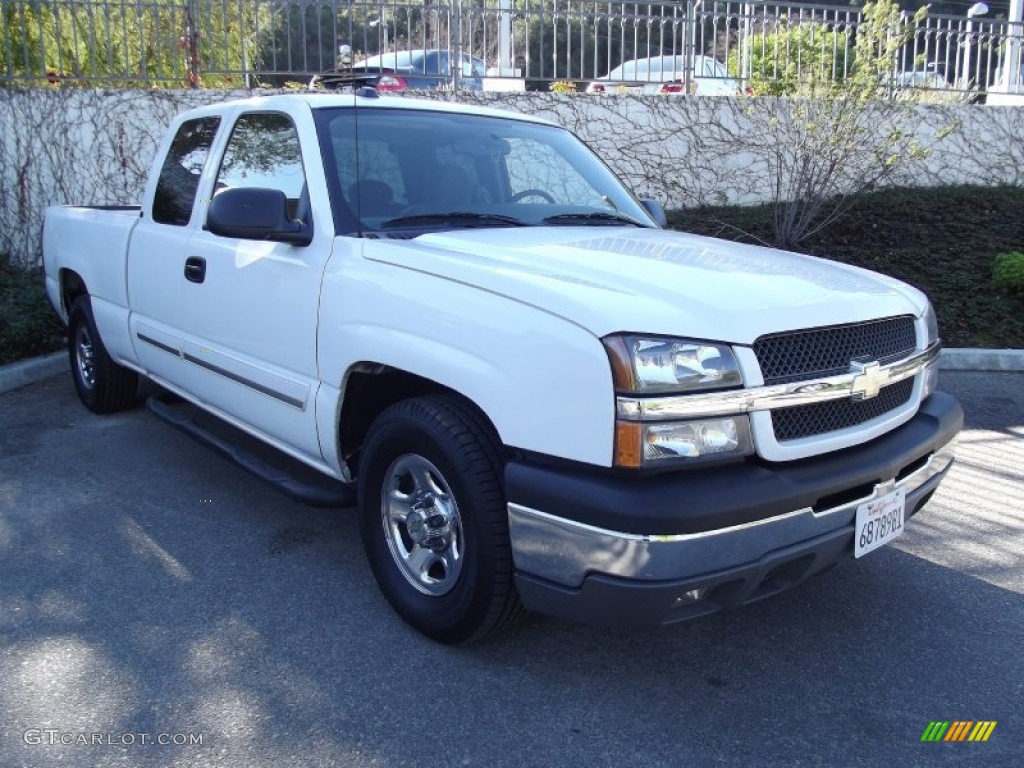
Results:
565 551
621 549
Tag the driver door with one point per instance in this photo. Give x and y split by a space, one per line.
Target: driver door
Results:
249 335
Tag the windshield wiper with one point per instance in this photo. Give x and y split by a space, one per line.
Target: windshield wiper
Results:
460 218
601 217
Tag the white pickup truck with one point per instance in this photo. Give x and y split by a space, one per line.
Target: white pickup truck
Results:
540 396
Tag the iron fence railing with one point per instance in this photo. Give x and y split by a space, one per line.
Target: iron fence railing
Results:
763 47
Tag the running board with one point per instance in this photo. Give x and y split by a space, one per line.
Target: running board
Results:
318 492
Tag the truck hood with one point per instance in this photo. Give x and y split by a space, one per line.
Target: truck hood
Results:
616 279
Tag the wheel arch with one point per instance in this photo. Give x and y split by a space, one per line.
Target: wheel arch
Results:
369 389
72 285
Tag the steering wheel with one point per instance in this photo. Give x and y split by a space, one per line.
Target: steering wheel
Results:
532 193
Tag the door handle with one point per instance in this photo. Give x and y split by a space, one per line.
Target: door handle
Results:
195 269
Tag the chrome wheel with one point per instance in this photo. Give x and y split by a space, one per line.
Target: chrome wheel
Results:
431 474
422 525
85 357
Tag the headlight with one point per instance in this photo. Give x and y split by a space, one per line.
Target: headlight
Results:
649 365
932 325
654 444
652 365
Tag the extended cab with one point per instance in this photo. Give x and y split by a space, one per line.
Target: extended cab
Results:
541 397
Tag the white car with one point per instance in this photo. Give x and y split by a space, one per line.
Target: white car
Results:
923 79
667 74
536 395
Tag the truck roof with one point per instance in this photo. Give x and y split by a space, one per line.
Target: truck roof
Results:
320 100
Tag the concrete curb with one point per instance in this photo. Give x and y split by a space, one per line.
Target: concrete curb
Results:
30 371
981 360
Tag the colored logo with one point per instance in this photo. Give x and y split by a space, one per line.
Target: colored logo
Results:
958 730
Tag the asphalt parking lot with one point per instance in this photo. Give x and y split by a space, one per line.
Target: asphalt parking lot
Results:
151 591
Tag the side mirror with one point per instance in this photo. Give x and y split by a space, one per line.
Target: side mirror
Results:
254 213
657 212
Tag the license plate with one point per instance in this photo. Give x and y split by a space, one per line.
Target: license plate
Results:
879 521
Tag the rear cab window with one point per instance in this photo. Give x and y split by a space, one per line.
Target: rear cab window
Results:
178 184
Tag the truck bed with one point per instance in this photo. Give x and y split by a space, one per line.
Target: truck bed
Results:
92 240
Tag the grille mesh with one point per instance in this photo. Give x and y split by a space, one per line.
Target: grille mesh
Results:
799 355
819 418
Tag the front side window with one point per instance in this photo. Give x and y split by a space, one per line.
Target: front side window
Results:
179 176
263 152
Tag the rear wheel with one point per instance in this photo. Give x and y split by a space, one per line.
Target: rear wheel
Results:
434 521
102 385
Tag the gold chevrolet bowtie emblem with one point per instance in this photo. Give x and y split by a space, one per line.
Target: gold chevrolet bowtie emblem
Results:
868 380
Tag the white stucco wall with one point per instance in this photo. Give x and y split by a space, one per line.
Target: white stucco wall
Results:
62 146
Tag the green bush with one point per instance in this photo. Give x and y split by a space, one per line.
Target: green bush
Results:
1008 271
794 59
28 325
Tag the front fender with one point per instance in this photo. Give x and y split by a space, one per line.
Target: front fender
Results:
544 383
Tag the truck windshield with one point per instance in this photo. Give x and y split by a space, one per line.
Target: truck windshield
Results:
420 170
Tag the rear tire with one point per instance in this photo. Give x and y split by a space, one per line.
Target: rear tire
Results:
103 386
434 519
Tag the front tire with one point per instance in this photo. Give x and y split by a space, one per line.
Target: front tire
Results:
434 520
103 386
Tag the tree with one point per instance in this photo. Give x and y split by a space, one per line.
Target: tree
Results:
828 139
787 60
150 43
568 41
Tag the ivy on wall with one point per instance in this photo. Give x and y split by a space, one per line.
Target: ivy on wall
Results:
78 146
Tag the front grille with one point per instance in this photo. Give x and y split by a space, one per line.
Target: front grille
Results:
810 354
819 418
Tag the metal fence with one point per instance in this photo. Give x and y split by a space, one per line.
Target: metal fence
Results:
761 47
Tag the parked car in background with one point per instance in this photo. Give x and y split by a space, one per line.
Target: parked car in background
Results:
667 74
923 84
407 71
922 79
